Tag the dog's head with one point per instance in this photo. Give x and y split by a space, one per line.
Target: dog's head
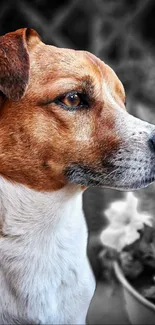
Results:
63 119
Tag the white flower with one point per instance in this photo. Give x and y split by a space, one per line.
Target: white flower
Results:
124 223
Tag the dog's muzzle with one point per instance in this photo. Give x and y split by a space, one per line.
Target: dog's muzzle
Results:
134 162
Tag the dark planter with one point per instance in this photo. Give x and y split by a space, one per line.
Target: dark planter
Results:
139 310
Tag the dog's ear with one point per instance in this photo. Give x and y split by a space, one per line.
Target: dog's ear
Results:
15 62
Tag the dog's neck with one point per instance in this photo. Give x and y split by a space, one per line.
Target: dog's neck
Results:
24 211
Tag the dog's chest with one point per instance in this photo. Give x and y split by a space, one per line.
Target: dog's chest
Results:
66 284
51 279
70 289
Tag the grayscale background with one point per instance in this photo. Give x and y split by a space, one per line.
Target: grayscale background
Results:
122 33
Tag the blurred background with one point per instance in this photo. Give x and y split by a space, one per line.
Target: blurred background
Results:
122 33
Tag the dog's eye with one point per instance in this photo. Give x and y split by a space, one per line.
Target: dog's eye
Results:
72 100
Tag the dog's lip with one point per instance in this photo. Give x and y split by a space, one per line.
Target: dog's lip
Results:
129 188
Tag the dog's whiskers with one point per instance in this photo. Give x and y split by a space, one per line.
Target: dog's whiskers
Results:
113 171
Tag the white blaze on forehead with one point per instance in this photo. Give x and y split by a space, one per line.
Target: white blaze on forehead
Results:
124 122
108 96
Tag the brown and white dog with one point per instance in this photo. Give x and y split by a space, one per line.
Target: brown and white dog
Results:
63 124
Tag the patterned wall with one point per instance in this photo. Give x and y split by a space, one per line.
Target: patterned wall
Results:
121 32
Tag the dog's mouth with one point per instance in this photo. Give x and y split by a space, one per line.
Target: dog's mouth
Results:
121 174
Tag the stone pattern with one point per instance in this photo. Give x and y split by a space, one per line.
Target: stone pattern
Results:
119 32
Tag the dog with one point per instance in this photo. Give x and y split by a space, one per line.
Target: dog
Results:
63 127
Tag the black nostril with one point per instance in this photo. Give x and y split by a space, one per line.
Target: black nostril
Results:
152 143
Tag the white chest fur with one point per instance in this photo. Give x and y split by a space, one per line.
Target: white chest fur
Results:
44 272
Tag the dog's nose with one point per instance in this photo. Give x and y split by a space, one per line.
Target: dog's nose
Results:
152 143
